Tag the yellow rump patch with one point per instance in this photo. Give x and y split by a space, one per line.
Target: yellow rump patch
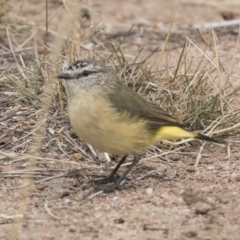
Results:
173 133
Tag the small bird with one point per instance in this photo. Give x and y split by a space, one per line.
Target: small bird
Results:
115 119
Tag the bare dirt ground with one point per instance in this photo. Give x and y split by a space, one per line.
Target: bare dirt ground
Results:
170 199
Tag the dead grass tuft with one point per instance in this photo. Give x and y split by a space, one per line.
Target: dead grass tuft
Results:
197 92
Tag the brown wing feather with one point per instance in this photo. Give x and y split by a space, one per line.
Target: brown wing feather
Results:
125 99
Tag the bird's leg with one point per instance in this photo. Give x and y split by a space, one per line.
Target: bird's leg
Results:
116 184
111 177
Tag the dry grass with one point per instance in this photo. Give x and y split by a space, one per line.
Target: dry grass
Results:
198 92
35 130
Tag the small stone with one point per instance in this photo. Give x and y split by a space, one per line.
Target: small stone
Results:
202 208
72 228
41 186
190 196
190 234
78 156
190 169
58 192
149 191
115 198
119 220
174 157
210 167
224 199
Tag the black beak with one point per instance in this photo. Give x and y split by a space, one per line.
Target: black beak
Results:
65 76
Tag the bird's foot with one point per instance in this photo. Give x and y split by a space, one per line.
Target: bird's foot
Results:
106 180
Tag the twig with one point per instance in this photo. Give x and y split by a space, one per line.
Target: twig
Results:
53 177
227 129
49 211
199 157
145 175
95 194
234 22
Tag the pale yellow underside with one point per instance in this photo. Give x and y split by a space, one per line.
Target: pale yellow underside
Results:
110 131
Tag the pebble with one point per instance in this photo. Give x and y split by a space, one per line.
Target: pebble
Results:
202 208
72 228
149 191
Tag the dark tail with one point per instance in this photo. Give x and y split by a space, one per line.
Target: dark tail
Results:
206 138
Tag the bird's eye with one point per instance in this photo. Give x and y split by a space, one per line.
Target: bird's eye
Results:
85 73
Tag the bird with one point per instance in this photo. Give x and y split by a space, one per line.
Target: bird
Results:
113 118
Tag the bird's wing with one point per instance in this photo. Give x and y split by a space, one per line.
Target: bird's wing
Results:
124 99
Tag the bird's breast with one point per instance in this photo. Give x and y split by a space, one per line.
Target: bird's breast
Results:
98 123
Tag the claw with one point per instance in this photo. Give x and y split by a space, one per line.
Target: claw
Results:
112 177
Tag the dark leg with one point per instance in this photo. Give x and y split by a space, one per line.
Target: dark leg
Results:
116 184
111 177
